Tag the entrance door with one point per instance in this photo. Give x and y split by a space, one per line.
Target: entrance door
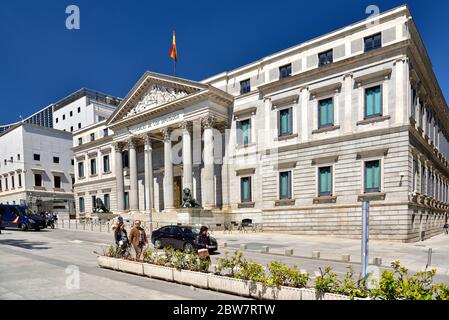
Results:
177 192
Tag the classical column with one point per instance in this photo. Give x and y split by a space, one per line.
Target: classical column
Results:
187 155
347 122
168 169
119 177
208 196
134 189
149 195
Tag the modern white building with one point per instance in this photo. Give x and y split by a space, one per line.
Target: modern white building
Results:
82 109
36 168
296 141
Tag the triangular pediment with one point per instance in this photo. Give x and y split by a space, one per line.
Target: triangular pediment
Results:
152 91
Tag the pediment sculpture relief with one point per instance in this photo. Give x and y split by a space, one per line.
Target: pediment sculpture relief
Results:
155 96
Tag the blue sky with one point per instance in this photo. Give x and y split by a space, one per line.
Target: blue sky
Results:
41 61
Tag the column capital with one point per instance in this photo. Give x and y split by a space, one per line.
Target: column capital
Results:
186 126
166 134
131 143
148 141
118 146
208 121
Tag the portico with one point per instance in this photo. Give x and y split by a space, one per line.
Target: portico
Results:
156 123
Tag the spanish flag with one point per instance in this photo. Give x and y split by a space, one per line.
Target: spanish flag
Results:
174 51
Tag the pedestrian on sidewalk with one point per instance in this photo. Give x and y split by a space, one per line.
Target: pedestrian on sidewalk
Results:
121 238
203 243
446 228
138 239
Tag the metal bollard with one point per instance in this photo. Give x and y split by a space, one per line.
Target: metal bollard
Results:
316 254
243 247
289 252
92 226
84 226
62 224
109 230
265 249
345 257
225 245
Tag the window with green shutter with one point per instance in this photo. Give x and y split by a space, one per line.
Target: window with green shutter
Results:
244 132
326 113
373 102
372 176
325 181
285 122
285 185
245 188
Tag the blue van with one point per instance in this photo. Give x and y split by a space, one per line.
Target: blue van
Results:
20 217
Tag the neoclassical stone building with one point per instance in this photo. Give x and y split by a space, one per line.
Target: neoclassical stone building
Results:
296 140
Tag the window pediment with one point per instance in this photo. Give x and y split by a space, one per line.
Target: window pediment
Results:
278 103
324 160
372 153
285 165
336 87
247 171
373 77
243 112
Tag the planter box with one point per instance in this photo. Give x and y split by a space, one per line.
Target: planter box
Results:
108 263
130 267
260 292
158 272
229 285
287 293
308 294
192 278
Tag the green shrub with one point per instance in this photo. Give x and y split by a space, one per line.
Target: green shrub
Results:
232 264
441 292
148 256
278 274
296 279
252 271
350 287
327 282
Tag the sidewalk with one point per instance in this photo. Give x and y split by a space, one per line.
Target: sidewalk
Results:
414 256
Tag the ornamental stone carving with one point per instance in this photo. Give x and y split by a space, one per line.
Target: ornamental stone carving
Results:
166 134
208 122
155 96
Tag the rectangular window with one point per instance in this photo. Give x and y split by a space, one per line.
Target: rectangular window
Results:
421 114
71 129
20 180
18 157
79 109
63 117
81 169
373 102
37 180
37 157
423 180
285 71
105 132
57 120
245 189
415 174
106 164
71 113
245 86
325 181
94 201
13 182
57 182
79 125
80 141
55 159
373 42
285 122
126 200
326 113
107 201
326 58
6 183
81 205
244 132
93 167
372 176
285 185
92 137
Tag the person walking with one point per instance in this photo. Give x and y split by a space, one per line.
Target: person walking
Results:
446 228
121 238
138 239
202 243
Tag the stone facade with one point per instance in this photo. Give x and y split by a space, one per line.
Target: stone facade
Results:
289 141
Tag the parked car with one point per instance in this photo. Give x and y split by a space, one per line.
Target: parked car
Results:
179 237
21 217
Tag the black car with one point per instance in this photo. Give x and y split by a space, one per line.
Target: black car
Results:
179 237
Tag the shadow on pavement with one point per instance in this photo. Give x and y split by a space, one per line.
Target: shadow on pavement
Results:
24 244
